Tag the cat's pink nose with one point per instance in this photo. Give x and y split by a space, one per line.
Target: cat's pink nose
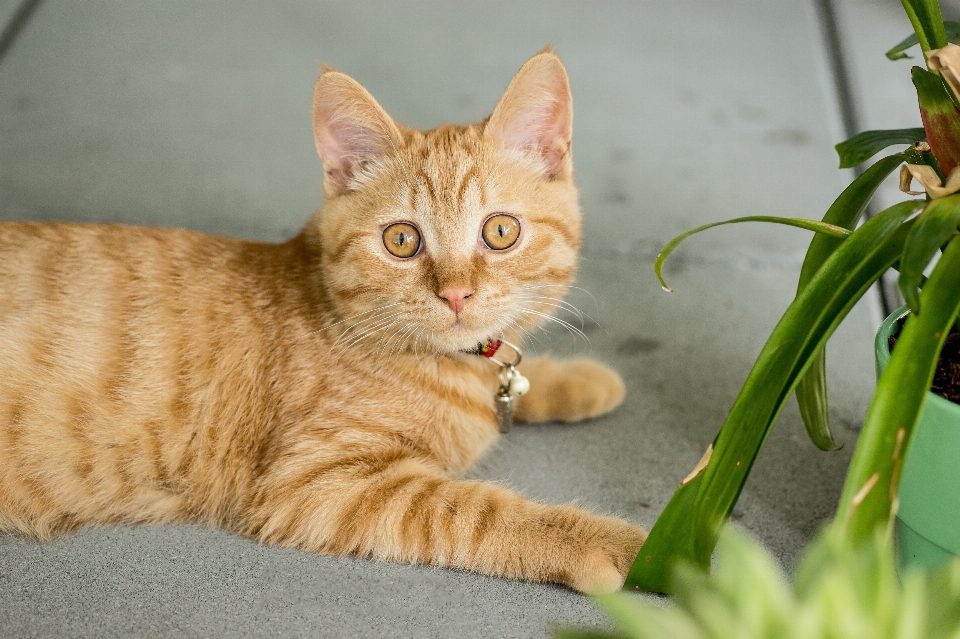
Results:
456 298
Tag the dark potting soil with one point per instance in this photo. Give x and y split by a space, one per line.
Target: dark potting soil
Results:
946 380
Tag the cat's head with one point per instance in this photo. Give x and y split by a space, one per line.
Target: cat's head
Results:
441 239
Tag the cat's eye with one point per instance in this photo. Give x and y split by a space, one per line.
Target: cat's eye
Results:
501 231
402 239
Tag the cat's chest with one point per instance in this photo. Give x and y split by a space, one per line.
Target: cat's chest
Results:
446 406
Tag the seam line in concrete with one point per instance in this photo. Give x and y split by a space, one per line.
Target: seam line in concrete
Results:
890 298
16 24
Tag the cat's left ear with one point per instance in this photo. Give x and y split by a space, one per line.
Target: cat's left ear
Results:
350 129
536 113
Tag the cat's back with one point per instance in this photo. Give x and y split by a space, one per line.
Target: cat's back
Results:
111 339
109 271
74 297
48 263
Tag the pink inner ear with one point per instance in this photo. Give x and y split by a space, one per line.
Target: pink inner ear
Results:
330 146
344 142
349 127
540 119
536 111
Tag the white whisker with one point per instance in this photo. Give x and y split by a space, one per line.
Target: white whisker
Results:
573 311
559 303
596 305
403 336
347 319
569 308
570 327
514 324
382 343
376 319
367 332
384 339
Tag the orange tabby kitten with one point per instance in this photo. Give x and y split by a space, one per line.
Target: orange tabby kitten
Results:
316 393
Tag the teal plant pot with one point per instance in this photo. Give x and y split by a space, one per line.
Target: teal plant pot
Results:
928 521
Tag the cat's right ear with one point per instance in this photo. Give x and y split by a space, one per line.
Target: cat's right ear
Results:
350 129
536 113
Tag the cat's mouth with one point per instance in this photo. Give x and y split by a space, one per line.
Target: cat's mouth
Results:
461 336
462 331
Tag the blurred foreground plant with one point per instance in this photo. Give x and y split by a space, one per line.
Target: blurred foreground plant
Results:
840 266
838 592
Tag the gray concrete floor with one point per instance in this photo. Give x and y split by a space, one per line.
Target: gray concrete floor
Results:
179 113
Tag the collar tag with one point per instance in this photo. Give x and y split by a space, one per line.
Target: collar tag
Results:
511 382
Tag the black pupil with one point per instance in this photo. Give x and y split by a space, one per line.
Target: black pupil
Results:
401 239
501 230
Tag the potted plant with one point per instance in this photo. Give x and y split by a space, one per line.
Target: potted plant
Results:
841 264
928 520
836 592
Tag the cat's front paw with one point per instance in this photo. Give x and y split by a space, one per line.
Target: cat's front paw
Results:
604 566
568 390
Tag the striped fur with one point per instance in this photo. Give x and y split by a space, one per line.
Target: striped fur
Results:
312 393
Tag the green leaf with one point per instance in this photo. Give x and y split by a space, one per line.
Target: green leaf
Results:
845 212
637 619
813 404
933 228
898 52
688 527
839 592
586 633
927 23
625 610
912 156
940 119
748 583
810 225
864 146
874 474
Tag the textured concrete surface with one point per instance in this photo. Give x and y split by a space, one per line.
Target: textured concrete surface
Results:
197 115
7 10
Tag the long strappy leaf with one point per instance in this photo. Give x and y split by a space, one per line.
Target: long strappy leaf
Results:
810 225
927 23
933 228
688 527
864 146
899 51
845 211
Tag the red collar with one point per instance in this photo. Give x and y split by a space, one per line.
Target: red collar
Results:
488 349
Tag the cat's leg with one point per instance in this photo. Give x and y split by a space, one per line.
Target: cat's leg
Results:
567 390
404 510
